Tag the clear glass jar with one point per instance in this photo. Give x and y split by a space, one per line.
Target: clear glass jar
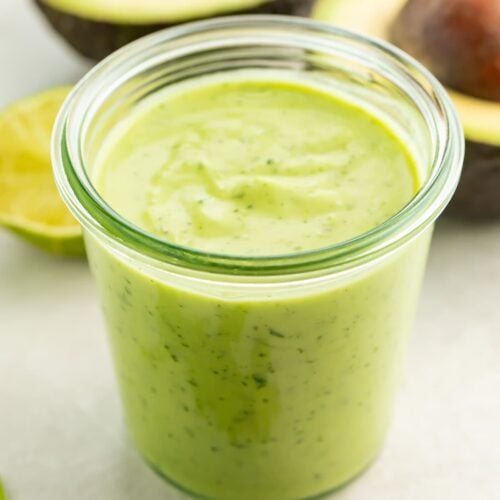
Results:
267 377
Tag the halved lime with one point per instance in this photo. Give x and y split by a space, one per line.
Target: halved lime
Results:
30 204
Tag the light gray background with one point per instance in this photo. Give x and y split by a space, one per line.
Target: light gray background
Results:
61 433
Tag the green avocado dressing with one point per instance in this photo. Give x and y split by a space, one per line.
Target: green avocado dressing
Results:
285 395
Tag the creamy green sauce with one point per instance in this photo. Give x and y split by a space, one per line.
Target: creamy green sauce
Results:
252 167
283 395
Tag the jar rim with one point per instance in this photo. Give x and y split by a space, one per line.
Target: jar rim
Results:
94 214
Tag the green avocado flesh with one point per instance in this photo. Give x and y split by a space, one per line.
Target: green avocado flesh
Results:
150 11
480 118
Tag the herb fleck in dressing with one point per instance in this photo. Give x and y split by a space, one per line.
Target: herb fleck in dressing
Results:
285 396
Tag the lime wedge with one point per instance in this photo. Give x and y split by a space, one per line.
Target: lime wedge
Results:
2 492
30 204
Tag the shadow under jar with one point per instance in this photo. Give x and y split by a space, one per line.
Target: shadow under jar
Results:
267 377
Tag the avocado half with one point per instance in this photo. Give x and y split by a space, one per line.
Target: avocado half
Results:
95 28
478 194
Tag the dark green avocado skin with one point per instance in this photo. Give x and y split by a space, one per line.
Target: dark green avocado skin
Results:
96 39
478 193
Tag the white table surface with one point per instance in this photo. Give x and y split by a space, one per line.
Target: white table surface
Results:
61 432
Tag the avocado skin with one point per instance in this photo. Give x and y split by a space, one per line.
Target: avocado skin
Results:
96 39
478 193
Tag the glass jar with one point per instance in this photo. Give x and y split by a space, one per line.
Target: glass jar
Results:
266 377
